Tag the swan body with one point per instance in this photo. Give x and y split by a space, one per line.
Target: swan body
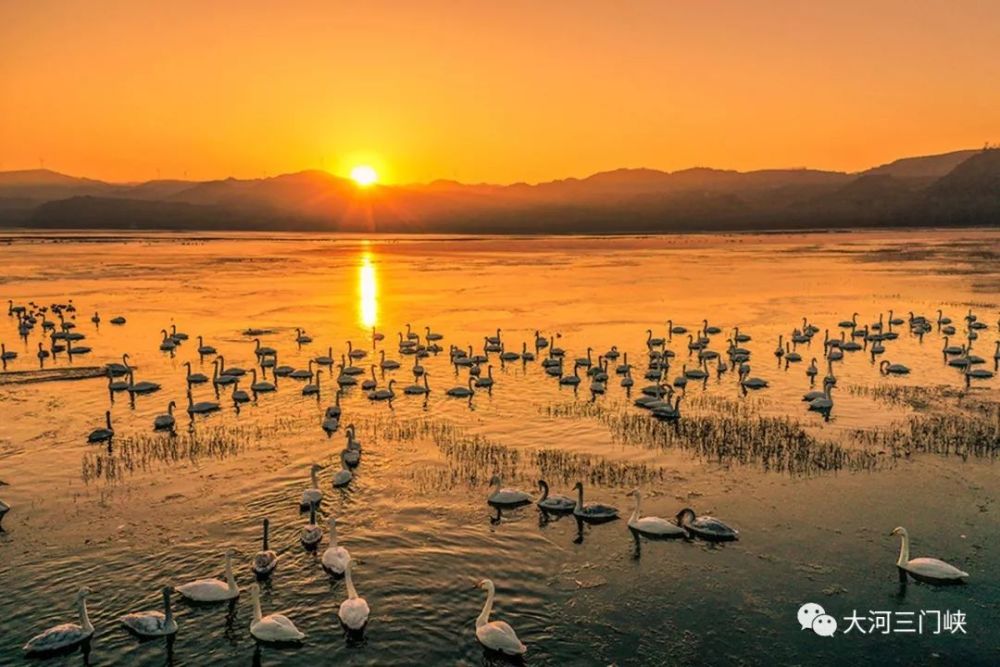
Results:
313 495
706 527
895 369
311 533
652 526
343 476
266 559
496 635
166 421
928 570
557 504
353 611
592 511
153 623
102 434
384 394
273 627
335 557
506 497
213 590
416 388
64 635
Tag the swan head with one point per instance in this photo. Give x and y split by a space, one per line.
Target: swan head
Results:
485 584
167 590
636 493
315 467
578 486
255 590
899 530
495 480
83 593
685 514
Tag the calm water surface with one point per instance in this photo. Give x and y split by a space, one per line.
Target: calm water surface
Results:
912 450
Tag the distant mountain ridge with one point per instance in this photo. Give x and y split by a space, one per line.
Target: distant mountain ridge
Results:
956 188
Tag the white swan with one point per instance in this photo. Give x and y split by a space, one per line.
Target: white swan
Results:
153 623
928 570
213 590
335 557
653 526
706 527
201 407
313 495
896 369
166 421
66 634
266 559
343 476
273 627
416 388
502 496
462 392
553 503
592 511
193 378
383 394
204 349
354 610
496 635
311 533
102 434
823 403
260 387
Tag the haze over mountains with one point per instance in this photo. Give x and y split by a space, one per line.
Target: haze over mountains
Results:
952 189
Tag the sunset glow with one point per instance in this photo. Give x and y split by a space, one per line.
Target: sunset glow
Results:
489 92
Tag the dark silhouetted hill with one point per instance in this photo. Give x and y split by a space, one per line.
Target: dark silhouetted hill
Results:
958 188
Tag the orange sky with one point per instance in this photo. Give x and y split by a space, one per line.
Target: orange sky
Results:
489 91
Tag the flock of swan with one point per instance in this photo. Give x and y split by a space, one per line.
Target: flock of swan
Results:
661 398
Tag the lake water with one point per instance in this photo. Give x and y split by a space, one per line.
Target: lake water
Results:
814 499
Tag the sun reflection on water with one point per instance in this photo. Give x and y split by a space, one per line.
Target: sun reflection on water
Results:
367 292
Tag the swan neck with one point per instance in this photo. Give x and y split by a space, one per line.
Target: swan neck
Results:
333 535
579 498
168 612
904 551
229 574
352 593
85 623
484 616
256 607
635 512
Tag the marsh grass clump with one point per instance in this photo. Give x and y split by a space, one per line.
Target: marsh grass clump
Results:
145 451
728 432
973 433
915 397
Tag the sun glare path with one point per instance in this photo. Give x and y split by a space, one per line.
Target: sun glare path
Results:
368 292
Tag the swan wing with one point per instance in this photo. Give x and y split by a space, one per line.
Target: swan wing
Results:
206 590
335 559
276 628
265 561
145 622
935 569
499 636
55 638
509 497
354 613
655 525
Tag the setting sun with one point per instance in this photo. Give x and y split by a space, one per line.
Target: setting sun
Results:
364 175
